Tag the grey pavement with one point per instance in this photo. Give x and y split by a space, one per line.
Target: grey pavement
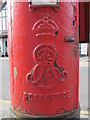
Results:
4 79
84 69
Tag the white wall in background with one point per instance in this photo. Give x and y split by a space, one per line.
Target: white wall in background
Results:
84 49
0 48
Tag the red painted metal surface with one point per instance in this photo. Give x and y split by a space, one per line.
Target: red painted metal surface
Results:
84 22
43 58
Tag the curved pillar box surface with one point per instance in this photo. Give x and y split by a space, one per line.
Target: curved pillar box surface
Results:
44 59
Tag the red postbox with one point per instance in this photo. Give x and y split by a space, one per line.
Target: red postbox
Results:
44 59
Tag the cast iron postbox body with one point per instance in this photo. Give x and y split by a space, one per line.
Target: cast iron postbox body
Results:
44 59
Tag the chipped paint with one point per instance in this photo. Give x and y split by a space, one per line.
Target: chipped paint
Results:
35 67
15 72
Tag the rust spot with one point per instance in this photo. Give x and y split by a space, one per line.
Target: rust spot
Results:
69 39
14 107
75 17
20 101
56 33
75 51
15 72
18 109
77 44
78 30
61 69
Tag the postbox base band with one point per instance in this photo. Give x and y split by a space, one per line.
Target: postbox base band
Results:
71 114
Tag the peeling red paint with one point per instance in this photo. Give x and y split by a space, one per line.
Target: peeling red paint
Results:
44 67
